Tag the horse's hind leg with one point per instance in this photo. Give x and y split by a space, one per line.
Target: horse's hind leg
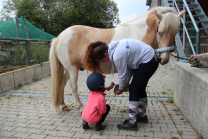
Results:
73 73
66 78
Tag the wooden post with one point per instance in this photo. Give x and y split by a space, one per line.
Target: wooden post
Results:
27 48
17 30
49 44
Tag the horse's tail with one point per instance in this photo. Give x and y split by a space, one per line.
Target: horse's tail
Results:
57 76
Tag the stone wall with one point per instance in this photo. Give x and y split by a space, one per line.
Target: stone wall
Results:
191 95
23 76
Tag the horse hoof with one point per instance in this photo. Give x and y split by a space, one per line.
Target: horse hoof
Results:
66 108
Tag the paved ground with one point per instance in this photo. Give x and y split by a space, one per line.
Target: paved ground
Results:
28 112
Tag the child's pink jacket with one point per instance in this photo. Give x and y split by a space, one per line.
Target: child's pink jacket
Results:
96 106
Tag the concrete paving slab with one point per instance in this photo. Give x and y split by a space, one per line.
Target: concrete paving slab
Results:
30 113
18 112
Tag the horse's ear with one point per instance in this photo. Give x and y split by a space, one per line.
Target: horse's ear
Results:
181 13
158 16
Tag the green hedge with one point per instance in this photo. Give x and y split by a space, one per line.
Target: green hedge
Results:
17 56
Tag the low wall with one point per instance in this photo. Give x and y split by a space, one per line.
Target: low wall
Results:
23 76
191 95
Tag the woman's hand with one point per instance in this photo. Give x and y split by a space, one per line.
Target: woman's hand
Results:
119 92
193 57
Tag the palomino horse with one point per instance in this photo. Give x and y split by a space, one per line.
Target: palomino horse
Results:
156 28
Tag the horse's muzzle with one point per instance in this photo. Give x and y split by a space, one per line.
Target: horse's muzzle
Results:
163 61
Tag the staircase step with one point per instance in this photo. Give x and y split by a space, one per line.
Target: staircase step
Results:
181 0
203 45
203 36
194 29
192 37
199 15
190 5
195 10
197 22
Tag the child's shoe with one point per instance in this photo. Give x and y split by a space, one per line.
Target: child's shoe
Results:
85 125
99 127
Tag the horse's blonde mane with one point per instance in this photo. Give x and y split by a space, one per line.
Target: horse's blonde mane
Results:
170 18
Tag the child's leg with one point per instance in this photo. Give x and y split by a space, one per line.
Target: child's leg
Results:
85 125
105 114
98 125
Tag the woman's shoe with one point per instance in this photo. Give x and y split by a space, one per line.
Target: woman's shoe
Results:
142 119
127 126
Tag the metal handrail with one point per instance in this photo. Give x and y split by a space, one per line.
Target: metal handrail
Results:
185 29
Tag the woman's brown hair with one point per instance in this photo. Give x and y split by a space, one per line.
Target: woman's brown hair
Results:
95 52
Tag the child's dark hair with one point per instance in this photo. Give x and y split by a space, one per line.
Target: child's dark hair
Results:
95 52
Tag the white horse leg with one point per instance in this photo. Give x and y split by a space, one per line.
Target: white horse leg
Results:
66 78
73 73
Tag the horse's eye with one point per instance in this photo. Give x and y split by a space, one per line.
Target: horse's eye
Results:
160 33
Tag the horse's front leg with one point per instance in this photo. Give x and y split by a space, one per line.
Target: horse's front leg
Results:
74 78
66 78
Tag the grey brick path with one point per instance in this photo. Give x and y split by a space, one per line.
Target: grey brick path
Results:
30 113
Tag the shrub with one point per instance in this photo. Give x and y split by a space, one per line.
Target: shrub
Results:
39 53
15 56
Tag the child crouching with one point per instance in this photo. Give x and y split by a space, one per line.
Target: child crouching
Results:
96 109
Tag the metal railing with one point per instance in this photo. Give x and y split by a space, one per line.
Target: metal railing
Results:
185 30
192 36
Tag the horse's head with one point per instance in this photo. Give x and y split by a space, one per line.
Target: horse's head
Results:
167 26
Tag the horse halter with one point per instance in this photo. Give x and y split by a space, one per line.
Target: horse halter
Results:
166 49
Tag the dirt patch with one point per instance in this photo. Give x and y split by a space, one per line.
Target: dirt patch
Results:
4 69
